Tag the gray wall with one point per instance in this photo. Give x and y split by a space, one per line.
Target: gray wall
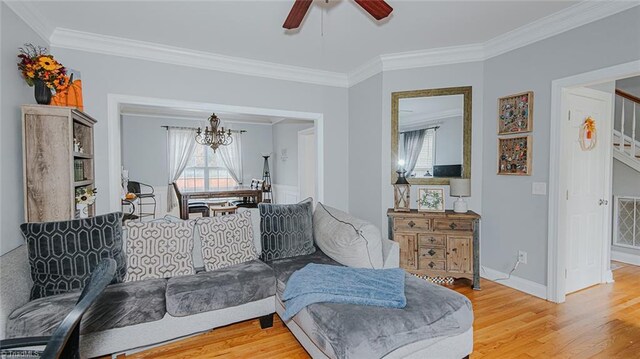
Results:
104 74
15 92
365 150
285 136
513 219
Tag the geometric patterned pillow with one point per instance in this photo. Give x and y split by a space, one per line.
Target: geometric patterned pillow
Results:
226 240
158 249
286 229
63 254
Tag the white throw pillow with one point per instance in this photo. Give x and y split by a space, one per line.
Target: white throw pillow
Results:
226 240
158 250
255 225
346 239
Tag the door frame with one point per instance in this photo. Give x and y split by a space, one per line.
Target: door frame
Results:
302 133
116 101
557 243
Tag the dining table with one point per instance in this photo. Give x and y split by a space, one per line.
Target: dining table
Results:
223 192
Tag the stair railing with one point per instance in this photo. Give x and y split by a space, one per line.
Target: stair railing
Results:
624 138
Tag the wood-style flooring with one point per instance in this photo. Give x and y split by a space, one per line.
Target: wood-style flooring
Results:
598 322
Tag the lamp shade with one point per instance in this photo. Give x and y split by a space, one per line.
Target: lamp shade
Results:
460 187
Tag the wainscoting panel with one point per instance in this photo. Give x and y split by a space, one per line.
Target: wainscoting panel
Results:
283 194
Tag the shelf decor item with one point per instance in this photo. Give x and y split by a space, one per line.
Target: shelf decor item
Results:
430 199
42 71
460 187
71 95
85 197
401 191
515 113
514 156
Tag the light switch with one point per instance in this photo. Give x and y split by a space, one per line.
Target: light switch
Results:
539 188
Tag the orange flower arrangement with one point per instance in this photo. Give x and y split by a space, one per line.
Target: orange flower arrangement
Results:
37 64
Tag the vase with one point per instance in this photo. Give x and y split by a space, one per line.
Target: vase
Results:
42 92
82 210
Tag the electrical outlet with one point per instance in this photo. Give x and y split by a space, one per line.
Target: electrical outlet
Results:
522 257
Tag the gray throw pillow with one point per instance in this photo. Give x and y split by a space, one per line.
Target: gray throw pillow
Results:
63 254
286 229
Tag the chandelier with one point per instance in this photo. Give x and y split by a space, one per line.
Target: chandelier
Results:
214 137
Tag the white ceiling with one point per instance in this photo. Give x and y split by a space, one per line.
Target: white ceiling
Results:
338 36
424 110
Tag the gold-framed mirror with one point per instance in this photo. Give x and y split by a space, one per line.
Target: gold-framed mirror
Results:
431 135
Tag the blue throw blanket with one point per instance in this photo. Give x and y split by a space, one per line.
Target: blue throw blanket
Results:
317 283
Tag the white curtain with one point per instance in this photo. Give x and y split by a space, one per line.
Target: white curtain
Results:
231 156
181 144
413 141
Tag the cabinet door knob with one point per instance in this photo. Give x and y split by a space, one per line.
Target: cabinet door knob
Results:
431 239
453 225
431 265
431 252
411 224
454 249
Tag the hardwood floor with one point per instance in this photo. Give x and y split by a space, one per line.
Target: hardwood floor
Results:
598 322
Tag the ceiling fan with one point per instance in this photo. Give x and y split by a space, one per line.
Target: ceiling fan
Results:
379 9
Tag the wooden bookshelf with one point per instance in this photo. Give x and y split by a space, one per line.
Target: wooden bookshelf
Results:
52 169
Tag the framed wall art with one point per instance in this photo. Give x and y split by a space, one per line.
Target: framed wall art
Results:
431 199
515 113
514 155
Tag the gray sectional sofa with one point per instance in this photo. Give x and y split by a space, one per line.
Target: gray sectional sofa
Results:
133 315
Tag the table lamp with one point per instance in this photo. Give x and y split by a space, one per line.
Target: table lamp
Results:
460 187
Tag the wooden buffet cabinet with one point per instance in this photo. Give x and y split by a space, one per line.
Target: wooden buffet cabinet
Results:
444 244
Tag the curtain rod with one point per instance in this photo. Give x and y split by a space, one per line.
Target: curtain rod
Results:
195 128
426 128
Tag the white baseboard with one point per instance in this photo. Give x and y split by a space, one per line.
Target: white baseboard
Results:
624 257
521 284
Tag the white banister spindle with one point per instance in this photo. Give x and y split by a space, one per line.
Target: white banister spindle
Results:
622 137
633 132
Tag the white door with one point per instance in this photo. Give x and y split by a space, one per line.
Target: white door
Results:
588 190
307 164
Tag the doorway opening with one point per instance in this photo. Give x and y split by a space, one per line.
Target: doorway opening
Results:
581 191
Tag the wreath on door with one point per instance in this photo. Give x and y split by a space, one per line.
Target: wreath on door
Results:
588 134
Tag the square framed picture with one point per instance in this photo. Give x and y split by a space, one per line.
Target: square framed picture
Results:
430 199
514 155
515 113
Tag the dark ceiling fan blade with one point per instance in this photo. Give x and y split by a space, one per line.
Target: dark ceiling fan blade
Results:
379 9
297 13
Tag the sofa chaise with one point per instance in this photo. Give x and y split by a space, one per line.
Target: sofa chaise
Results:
131 316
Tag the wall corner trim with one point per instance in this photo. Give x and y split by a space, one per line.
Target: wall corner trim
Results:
517 283
27 11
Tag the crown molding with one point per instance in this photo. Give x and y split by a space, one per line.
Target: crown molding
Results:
32 17
567 19
554 24
365 71
432 57
142 50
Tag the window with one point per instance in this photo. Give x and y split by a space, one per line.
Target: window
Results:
424 164
205 171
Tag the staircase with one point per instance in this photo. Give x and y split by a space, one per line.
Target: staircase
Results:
626 132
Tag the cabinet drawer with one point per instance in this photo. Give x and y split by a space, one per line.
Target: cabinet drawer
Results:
431 253
412 224
452 225
430 264
431 240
